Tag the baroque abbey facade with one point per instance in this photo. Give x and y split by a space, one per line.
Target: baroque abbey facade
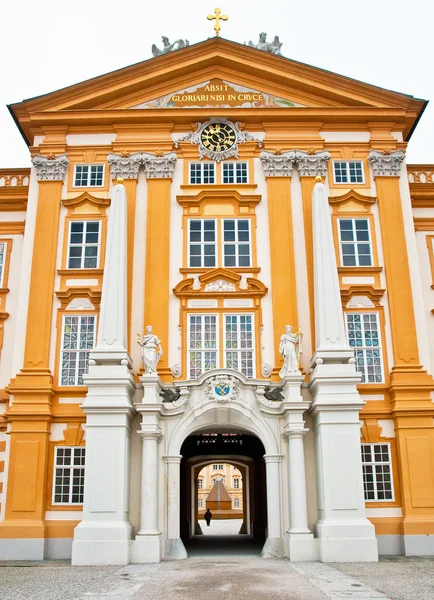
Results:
218 193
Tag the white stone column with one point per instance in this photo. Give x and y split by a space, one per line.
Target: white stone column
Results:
274 545
174 547
297 483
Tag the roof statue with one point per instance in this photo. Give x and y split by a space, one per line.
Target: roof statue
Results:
168 47
273 47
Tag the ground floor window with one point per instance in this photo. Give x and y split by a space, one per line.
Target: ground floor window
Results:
377 472
68 485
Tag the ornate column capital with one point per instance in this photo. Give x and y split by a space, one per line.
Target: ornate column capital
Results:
288 432
277 165
312 165
159 166
50 168
386 164
273 458
150 431
125 167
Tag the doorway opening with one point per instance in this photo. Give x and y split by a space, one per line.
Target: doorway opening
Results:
225 473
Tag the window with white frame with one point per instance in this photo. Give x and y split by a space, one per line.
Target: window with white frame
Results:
236 243
88 175
200 484
377 472
202 247
200 503
236 503
202 344
83 244
217 467
202 172
348 171
236 483
355 243
238 343
364 337
68 485
2 261
234 172
78 337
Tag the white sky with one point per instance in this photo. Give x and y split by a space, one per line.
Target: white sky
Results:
51 44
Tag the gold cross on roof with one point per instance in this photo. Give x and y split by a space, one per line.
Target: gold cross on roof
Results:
217 16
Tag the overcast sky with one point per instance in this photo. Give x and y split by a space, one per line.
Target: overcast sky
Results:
51 44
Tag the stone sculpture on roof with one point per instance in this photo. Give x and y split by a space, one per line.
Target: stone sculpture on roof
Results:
168 47
273 47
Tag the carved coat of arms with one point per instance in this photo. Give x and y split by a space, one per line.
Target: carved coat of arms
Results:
222 388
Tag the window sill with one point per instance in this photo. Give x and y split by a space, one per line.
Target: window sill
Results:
80 272
360 269
218 186
192 270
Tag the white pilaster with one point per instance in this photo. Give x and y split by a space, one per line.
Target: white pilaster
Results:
174 547
274 545
343 530
104 535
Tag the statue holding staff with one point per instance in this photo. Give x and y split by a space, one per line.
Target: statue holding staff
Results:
290 349
151 351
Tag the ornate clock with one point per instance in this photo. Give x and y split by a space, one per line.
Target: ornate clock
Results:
218 137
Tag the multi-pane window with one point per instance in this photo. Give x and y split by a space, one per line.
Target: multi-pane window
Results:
238 343
202 172
236 243
236 483
68 485
217 467
200 503
88 175
235 172
83 246
364 338
202 344
377 472
78 336
348 171
236 503
200 484
355 243
2 261
202 243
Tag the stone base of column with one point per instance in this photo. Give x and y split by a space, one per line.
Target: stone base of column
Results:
174 549
198 529
347 542
273 548
301 547
243 529
147 548
101 544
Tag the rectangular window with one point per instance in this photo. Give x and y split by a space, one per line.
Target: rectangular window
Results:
202 243
88 175
68 485
202 344
236 503
348 171
78 337
355 243
236 243
83 246
235 172
2 261
377 472
200 503
364 338
236 483
203 172
238 343
200 484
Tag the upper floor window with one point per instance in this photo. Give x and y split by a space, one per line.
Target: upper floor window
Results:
236 503
68 485
236 483
200 484
364 338
78 338
355 243
88 175
377 472
83 246
202 243
202 172
200 503
348 171
202 344
2 261
239 343
235 172
217 467
236 243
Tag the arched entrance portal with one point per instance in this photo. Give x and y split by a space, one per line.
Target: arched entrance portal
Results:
244 451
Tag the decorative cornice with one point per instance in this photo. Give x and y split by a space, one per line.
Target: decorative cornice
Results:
125 167
220 283
159 166
50 169
386 164
352 196
312 165
277 165
374 294
86 198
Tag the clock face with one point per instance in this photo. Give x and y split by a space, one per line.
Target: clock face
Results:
218 137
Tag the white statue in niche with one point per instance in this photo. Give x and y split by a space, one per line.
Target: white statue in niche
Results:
290 349
151 351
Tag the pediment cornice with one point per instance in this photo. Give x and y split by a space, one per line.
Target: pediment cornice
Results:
220 283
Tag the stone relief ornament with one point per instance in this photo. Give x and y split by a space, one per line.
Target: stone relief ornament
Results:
277 165
168 47
218 139
50 168
273 47
222 388
312 164
159 166
290 349
151 351
175 400
387 163
220 285
127 167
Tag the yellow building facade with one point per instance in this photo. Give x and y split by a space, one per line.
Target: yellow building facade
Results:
216 157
